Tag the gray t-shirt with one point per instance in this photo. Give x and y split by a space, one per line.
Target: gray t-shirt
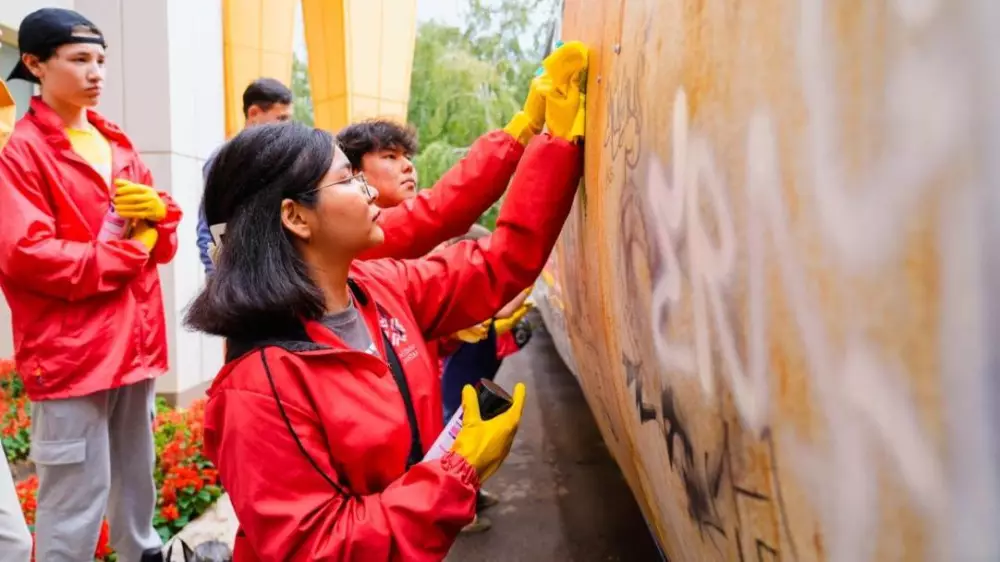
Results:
350 327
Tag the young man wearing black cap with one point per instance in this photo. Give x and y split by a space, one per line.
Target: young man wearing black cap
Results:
79 249
15 540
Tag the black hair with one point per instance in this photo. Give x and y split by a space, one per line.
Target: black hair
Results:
261 286
373 135
264 93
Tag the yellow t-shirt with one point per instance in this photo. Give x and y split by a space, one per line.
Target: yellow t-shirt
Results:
91 145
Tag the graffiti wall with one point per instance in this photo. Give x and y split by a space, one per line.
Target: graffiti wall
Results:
774 287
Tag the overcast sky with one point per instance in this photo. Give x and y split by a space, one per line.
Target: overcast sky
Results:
445 11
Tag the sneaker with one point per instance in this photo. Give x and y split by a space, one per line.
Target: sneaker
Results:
478 525
486 500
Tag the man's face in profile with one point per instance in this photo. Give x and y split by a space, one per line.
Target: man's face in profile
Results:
277 113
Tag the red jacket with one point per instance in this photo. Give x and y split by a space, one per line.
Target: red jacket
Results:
338 489
86 315
466 191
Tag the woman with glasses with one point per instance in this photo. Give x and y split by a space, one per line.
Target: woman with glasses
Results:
319 421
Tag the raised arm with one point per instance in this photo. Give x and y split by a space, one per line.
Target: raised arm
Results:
456 201
468 282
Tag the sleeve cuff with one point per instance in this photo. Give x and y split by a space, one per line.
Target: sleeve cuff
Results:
454 463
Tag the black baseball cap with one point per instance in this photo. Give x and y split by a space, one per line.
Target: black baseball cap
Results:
49 28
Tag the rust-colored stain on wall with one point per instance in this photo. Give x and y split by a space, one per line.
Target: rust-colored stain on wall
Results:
770 286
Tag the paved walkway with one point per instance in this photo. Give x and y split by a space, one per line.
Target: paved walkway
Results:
563 498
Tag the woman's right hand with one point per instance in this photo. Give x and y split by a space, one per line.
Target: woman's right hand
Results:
485 444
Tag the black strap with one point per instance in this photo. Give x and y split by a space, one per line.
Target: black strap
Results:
416 449
288 424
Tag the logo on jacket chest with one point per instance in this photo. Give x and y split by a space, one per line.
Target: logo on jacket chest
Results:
396 333
393 329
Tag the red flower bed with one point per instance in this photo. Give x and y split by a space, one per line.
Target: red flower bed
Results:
187 482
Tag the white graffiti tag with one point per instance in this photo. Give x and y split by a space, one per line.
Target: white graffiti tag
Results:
864 398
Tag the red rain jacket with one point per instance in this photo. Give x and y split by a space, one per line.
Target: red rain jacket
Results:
86 315
338 489
416 226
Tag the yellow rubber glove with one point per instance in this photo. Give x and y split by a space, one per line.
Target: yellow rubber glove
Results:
565 103
474 334
485 444
146 234
504 325
529 121
137 201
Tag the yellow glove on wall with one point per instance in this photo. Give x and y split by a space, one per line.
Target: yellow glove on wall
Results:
565 106
529 121
485 444
146 234
137 201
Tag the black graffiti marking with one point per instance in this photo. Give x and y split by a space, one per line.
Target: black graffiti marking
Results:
751 494
763 547
647 411
675 430
739 545
769 439
702 488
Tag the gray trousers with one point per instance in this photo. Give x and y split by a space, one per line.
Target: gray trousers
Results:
15 540
92 454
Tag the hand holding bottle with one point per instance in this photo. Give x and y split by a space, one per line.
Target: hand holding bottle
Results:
136 201
485 444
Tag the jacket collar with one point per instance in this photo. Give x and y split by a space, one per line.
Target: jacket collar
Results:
51 125
310 335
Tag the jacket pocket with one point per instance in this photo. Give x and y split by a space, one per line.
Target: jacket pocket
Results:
59 453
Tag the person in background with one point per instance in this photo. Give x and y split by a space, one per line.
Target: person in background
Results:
87 315
415 222
15 539
329 368
265 100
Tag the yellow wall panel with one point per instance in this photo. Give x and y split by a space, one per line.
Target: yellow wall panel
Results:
399 36
257 39
364 19
360 55
324 22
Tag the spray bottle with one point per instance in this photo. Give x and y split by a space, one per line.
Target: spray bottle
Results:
493 401
114 226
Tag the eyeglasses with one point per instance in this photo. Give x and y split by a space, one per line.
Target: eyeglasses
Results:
358 180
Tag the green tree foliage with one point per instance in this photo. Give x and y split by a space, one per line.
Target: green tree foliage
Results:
301 95
470 80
